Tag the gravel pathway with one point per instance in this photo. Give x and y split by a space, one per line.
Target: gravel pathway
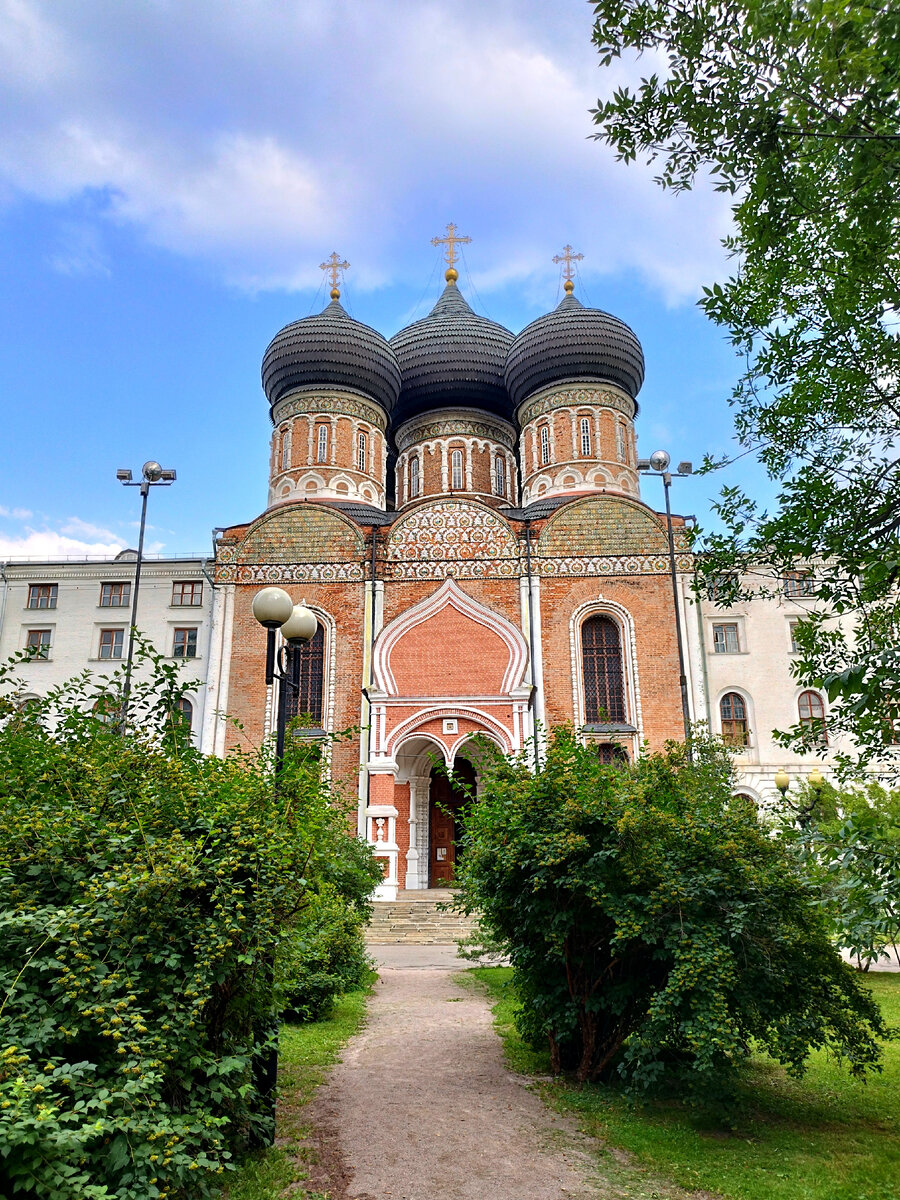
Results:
423 1107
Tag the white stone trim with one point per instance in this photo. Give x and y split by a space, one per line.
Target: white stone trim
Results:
410 727
450 593
625 621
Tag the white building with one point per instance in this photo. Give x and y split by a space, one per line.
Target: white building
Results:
77 615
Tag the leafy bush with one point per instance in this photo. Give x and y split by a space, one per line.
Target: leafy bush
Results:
143 890
656 929
322 957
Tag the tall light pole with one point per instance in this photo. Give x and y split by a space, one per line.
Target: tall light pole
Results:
658 464
152 475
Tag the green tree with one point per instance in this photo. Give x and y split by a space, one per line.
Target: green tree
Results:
793 107
655 927
144 892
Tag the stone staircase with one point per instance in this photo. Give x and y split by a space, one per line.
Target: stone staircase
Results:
416 919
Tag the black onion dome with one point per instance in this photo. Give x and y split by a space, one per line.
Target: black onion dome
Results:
574 342
331 350
452 357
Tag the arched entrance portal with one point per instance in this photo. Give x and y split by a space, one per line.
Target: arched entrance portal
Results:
446 800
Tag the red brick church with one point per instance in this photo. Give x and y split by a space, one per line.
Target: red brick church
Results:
460 508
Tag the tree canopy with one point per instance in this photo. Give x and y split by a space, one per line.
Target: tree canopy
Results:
793 107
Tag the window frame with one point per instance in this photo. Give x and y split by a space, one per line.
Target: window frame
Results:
621 453
457 478
544 437
43 646
730 727
322 443
591 681
113 642
313 654
286 448
124 586
35 591
361 451
798 585
724 648
816 722
193 584
500 477
188 641
585 437
415 483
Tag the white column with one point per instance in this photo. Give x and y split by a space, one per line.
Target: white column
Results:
445 480
312 429
333 440
412 855
468 445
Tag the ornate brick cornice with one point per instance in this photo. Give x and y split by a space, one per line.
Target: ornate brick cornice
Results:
460 422
313 403
574 396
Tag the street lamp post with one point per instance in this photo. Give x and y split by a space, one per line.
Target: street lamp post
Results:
658 464
152 475
273 609
816 781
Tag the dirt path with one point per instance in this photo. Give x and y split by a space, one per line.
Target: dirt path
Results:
422 1107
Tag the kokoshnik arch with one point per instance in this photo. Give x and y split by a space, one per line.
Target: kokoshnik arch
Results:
461 509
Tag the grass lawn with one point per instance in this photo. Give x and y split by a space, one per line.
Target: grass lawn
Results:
824 1137
305 1054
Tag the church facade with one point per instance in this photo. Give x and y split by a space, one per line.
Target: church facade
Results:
460 508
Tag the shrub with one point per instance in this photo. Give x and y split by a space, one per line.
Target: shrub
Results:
321 957
143 890
656 929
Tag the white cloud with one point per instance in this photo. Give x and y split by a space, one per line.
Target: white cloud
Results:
49 544
261 135
75 527
17 514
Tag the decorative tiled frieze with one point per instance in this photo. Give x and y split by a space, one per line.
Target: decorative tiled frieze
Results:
459 423
278 573
452 569
451 530
631 564
345 404
554 397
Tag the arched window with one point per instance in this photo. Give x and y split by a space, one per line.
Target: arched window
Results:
312 677
604 679
322 446
620 441
413 477
733 711
361 452
812 714
612 755
456 469
186 709
499 476
585 437
285 449
545 445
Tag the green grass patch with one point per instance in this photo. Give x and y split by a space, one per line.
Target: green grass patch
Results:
305 1054
823 1137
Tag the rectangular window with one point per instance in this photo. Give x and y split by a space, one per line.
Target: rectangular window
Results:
115 595
286 450
499 477
545 445
39 640
185 643
361 452
792 626
111 643
42 595
725 639
456 469
322 445
187 593
798 584
413 478
585 438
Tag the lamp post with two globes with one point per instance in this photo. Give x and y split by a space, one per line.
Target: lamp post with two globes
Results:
815 780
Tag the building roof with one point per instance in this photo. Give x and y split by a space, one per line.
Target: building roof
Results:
451 358
333 350
577 343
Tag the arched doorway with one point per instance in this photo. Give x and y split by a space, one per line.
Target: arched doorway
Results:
446 800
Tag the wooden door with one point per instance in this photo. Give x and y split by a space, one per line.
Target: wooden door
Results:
445 809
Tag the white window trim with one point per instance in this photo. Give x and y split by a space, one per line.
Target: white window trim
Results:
601 607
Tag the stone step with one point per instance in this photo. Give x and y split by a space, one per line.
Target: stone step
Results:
416 918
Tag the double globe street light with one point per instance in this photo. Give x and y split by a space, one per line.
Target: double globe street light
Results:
275 610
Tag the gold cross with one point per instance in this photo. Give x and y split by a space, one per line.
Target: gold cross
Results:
337 268
568 257
450 241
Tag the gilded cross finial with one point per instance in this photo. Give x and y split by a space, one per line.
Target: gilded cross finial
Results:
568 257
451 241
337 268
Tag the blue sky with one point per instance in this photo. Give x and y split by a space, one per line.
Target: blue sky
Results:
172 173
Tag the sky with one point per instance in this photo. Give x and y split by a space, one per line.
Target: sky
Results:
173 172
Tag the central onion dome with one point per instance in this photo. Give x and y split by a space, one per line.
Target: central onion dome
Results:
452 358
577 343
331 349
